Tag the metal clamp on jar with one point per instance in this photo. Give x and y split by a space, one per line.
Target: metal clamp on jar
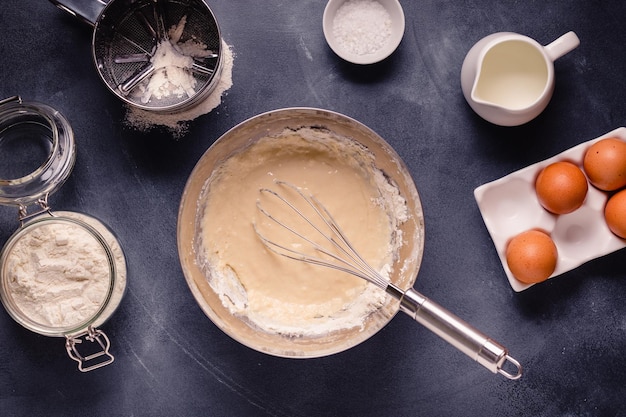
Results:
62 274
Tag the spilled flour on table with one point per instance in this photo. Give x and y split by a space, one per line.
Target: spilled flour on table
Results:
178 123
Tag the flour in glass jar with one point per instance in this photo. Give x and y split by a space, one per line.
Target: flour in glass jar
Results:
58 275
362 26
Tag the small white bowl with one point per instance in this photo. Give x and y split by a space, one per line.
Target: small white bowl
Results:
396 15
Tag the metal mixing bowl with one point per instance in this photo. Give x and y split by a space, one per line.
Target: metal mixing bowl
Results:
190 211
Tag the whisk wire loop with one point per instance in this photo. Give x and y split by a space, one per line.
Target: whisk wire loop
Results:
343 256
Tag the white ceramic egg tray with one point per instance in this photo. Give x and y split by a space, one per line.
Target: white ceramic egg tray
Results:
510 206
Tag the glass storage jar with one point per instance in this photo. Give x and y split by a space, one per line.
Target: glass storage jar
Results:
62 274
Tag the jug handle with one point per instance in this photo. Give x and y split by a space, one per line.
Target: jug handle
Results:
562 45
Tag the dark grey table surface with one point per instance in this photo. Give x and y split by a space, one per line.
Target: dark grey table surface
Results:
171 360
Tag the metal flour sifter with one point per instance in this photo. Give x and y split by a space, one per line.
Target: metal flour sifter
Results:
131 39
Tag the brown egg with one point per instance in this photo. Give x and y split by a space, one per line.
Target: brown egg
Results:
531 256
605 164
561 187
615 213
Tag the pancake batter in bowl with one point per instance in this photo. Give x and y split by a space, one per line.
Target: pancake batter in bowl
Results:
279 295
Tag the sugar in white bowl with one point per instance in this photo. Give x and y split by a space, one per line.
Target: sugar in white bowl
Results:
363 31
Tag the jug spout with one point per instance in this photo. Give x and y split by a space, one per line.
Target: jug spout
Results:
509 100
489 104
514 97
513 78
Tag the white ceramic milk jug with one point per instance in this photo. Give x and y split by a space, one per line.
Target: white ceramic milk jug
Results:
508 78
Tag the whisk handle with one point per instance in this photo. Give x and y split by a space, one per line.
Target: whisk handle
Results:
457 332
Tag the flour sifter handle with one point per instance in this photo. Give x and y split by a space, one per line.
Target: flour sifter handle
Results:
458 333
86 10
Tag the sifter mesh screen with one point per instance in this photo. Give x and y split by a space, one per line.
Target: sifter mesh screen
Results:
129 27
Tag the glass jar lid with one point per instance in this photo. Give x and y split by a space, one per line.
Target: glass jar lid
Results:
39 142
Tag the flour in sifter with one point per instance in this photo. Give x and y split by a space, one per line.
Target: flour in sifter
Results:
178 123
172 62
362 26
